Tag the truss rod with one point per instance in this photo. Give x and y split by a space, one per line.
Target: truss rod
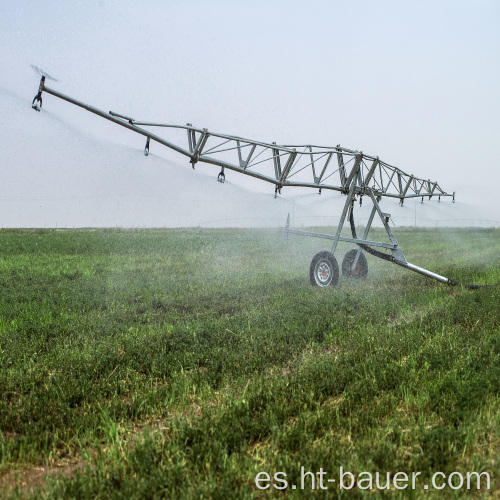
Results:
341 238
126 124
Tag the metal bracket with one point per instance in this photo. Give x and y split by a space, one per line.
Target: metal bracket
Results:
199 147
127 118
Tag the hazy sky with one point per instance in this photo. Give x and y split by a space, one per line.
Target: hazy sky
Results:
416 83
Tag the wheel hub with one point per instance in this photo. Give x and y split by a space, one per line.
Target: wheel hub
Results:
324 272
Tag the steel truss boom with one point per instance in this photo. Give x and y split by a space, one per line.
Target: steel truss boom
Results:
331 168
348 171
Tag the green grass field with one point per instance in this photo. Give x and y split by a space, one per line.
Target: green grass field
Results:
181 363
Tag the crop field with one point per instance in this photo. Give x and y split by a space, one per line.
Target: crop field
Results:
183 363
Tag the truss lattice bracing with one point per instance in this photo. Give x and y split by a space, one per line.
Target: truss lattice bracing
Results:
332 168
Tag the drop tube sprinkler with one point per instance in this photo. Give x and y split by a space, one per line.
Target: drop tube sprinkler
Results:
348 171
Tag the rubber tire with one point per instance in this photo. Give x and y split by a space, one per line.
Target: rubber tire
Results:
325 263
361 268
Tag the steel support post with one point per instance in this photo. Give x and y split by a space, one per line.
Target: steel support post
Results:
344 213
365 234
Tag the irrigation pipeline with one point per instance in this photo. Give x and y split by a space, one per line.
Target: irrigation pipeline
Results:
389 258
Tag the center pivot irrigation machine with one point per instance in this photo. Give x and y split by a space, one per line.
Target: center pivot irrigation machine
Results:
353 173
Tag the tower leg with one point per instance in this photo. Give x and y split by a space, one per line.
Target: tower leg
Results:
350 197
365 235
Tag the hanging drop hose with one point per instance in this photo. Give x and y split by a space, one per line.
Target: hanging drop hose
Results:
366 248
389 258
470 287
